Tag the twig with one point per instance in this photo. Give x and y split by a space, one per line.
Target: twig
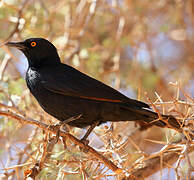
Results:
145 168
20 13
48 128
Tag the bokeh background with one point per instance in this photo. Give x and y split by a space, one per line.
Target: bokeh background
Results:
141 48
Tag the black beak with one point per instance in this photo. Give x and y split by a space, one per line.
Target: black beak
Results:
18 45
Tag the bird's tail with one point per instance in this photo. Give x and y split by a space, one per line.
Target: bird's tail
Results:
153 118
167 121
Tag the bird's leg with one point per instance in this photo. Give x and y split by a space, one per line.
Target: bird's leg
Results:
84 139
60 125
60 128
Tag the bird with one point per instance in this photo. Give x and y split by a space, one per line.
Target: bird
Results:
64 92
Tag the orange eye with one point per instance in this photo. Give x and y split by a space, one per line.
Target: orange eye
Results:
33 44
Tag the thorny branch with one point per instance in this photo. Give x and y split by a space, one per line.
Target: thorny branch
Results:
144 167
149 165
84 20
49 128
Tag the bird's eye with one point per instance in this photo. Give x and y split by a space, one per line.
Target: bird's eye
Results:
33 44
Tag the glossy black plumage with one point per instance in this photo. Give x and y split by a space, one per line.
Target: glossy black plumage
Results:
63 91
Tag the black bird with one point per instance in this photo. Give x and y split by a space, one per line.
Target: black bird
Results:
63 92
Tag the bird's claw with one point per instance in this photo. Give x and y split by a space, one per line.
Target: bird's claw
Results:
61 126
85 142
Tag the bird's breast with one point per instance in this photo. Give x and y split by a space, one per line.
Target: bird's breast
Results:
32 80
42 95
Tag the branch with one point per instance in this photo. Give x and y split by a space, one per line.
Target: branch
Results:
149 165
53 130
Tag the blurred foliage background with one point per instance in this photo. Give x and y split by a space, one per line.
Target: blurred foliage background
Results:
133 46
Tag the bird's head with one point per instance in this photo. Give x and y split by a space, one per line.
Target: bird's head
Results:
38 51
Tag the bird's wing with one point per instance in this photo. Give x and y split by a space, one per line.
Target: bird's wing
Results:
66 80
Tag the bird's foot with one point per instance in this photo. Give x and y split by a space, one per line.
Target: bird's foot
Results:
85 141
56 127
60 126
